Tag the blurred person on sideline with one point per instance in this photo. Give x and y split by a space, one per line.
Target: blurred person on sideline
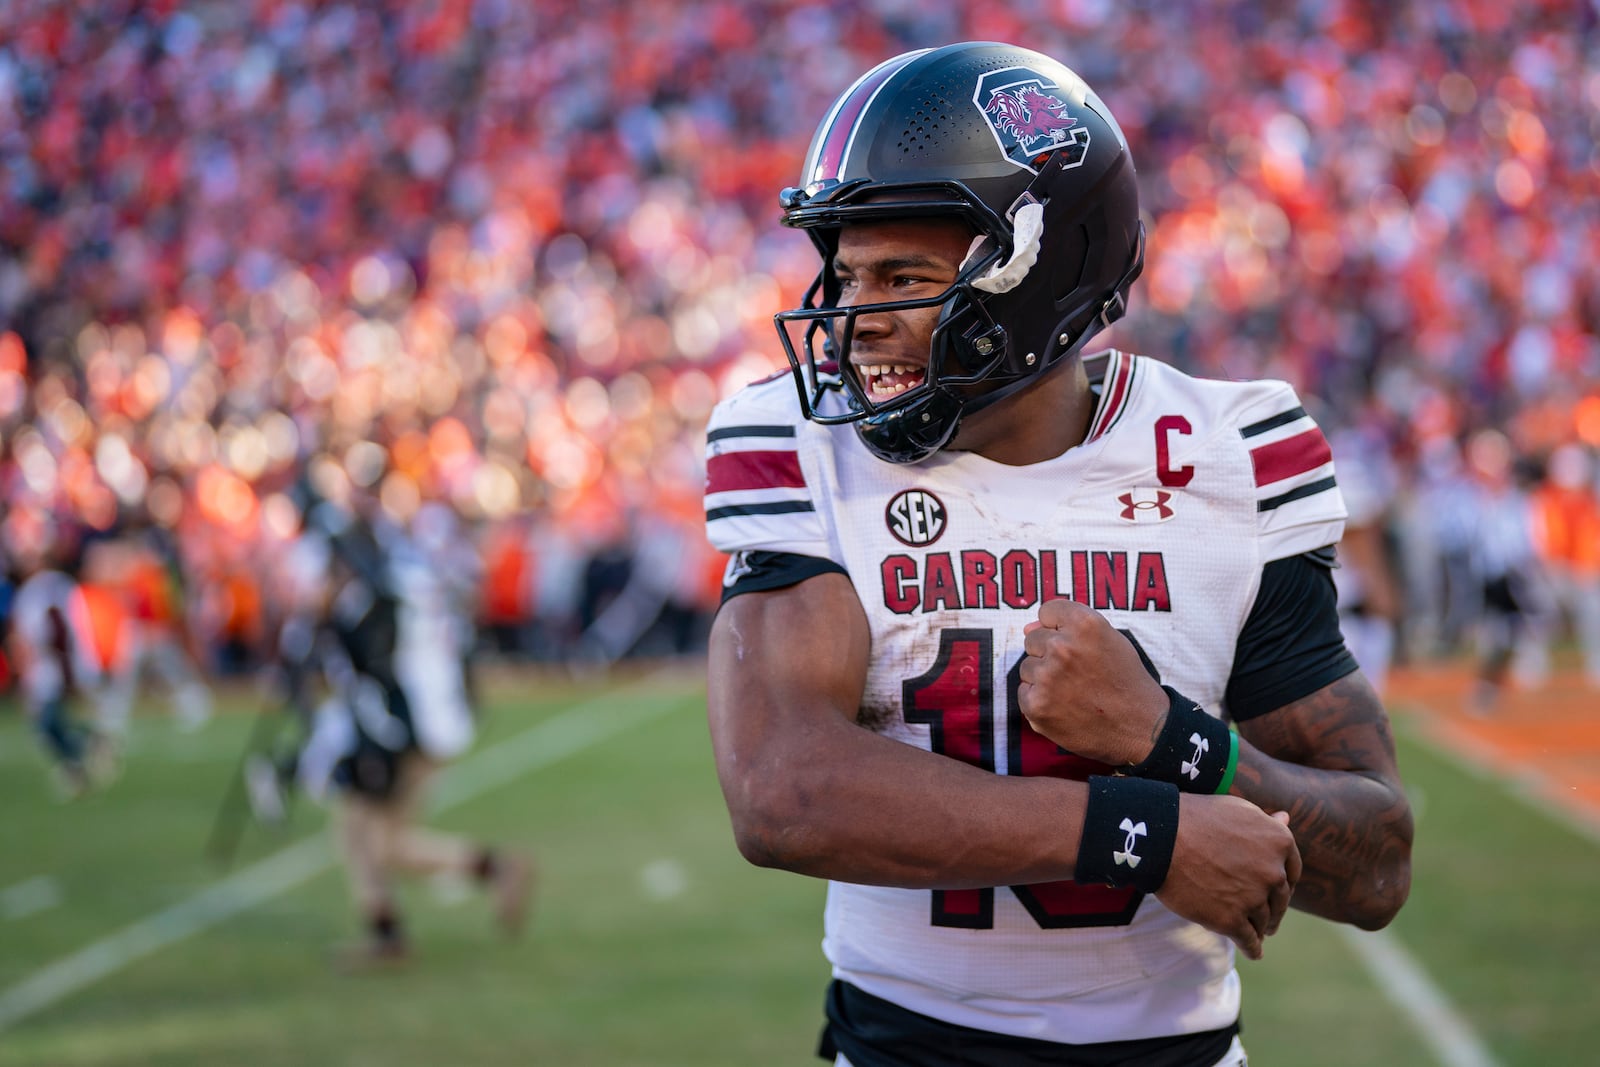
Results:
656 610
1444 520
1505 564
1566 520
396 712
992 603
437 565
50 646
149 638
508 573
1365 579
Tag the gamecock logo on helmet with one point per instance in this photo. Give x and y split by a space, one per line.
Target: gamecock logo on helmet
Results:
1028 114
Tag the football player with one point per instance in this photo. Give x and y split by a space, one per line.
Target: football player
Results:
1032 654
397 713
49 640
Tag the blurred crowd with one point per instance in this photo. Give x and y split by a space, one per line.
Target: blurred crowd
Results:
501 258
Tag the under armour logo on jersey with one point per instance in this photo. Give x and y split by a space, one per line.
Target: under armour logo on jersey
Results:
1133 830
1191 766
1146 505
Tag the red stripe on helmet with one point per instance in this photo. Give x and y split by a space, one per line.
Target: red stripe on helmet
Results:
827 157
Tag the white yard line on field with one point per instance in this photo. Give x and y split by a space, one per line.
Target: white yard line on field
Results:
1450 1037
1408 986
549 742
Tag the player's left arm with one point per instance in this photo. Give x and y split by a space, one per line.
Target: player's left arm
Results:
1325 756
1328 760
1313 737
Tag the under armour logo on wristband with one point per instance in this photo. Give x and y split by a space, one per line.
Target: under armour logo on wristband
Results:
1191 766
1182 752
1141 816
1133 830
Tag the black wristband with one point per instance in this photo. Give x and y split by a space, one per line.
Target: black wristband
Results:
1194 751
1129 828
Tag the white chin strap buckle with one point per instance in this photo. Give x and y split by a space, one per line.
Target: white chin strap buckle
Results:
1026 234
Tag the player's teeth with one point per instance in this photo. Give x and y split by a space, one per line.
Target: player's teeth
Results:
877 375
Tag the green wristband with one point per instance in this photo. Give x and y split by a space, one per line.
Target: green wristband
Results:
1233 764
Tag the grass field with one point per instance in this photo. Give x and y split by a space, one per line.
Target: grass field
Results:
653 943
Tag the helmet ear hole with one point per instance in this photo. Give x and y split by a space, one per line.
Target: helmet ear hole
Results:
1072 270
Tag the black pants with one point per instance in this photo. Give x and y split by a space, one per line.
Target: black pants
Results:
872 1032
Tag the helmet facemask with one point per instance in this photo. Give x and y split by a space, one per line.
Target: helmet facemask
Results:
1038 280
966 348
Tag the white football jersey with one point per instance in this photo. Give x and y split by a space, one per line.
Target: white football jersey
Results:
1162 520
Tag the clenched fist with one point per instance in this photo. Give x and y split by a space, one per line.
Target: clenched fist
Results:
1085 687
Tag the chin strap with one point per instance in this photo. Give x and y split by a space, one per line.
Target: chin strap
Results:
1025 238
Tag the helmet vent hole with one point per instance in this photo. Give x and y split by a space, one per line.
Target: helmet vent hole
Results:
920 135
923 128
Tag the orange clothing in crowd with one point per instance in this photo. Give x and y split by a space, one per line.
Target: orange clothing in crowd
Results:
103 617
507 577
149 591
242 617
1567 528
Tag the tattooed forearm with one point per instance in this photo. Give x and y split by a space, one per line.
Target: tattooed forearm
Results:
1328 760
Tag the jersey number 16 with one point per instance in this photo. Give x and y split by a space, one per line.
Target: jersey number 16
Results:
955 699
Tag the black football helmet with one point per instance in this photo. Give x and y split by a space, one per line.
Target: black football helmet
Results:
1019 147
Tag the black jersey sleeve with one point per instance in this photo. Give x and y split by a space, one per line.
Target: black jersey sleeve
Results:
758 572
1291 644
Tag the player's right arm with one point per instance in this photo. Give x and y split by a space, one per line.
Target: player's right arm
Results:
812 792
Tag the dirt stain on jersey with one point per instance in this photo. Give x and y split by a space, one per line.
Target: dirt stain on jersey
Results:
876 717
